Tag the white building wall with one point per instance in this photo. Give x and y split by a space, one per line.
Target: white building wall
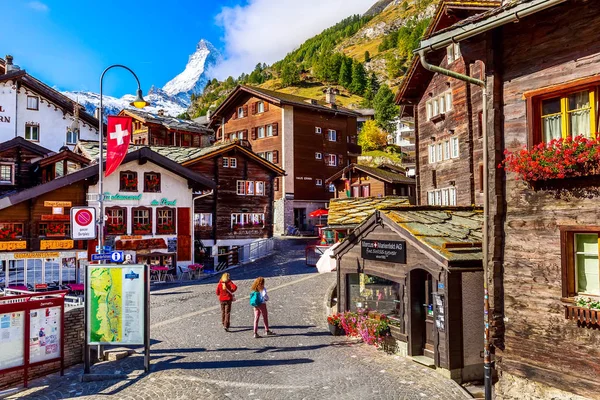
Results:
287 148
53 122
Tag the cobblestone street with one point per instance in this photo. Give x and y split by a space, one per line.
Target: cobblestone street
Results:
193 358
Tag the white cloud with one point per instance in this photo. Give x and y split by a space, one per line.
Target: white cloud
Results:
38 6
266 30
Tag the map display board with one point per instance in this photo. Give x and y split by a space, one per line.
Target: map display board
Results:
12 331
116 310
44 334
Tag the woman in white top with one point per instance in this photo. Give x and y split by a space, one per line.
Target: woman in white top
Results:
261 309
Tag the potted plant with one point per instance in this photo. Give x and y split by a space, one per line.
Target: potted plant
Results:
334 322
129 185
116 229
141 229
7 233
166 228
56 230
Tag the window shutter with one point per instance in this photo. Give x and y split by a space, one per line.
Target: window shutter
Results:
326 158
254 107
245 110
340 160
276 185
275 157
266 105
244 134
235 115
253 133
275 129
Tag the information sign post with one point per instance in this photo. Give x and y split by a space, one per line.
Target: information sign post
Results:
117 307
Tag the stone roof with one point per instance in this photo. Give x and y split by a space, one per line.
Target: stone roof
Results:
353 211
454 233
376 172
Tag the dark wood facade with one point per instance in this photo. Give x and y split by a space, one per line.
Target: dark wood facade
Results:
18 156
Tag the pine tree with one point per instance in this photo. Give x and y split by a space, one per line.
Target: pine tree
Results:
345 78
367 56
290 75
385 108
359 79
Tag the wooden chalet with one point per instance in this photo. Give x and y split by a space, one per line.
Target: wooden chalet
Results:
357 180
541 63
448 117
311 140
162 130
421 267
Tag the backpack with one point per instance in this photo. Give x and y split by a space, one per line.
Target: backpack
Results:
255 299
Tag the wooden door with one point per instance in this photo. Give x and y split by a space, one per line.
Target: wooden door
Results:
428 339
184 238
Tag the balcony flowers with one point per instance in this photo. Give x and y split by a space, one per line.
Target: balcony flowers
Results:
115 229
142 229
56 230
128 184
557 159
7 233
587 302
166 228
152 184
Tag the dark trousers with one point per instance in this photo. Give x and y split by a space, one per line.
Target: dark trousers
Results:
225 313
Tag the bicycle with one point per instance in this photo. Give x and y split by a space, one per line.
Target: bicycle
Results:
292 231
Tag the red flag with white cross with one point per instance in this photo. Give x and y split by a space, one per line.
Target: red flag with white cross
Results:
117 142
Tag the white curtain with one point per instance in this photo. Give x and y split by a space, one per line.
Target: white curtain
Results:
552 127
580 123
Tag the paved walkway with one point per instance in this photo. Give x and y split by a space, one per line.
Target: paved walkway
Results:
193 358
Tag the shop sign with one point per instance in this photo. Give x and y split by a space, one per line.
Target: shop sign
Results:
10 246
55 244
37 254
163 202
132 237
119 196
55 217
57 204
384 250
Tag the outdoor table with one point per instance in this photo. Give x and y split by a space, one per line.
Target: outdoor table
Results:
18 287
161 271
76 287
196 269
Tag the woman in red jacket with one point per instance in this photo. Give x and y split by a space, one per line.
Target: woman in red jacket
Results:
225 289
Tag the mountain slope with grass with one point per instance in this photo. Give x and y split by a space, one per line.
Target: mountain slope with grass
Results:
357 56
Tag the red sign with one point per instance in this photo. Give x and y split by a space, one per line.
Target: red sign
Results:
41 286
117 142
83 217
55 217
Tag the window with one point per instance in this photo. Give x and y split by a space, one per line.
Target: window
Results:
431 153
446 149
128 181
260 107
165 220
33 103
241 188
225 162
570 115
454 146
365 190
261 132
151 182
442 197
332 135
247 221
319 182
72 136
355 191
269 156
233 163
481 172
6 173
117 221
142 220
276 184
331 188
439 105
202 220
374 292
250 188
259 188
32 132
318 156
318 130
453 52
331 160
11 230
269 130
240 112
581 270
438 152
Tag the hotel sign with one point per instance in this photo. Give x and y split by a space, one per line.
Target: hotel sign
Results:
384 250
56 244
38 254
57 204
10 246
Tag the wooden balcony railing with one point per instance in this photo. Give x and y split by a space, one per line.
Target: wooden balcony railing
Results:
584 317
354 148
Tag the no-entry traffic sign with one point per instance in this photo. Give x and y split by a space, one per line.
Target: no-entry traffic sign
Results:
83 224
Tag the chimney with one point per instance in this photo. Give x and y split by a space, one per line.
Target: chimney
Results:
9 64
161 113
330 94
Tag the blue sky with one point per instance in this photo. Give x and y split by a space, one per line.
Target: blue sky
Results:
68 43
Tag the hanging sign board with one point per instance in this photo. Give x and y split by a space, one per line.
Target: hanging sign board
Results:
83 223
384 250
44 334
116 308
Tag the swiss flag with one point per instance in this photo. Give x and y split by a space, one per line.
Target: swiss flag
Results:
117 142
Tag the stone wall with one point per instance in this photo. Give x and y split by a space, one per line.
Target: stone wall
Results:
74 337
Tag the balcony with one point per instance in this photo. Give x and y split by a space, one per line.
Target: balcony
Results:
585 317
354 149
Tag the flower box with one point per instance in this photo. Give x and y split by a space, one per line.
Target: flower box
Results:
56 230
7 234
115 229
165 229
336 330
585 317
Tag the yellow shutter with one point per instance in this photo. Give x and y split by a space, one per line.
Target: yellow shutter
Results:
593 112
564 106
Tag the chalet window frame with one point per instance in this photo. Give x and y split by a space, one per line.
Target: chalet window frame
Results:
18 227
331 160
269 130
439 105
203 220
318 156
332 135
113 213
4 181
72 136
432 159
250 188
232 162
122 187
319 182
269 156
534 102
454 147
32 107
250 220
568 259
29 131
141 219
225 162
260 107
166 216
445 196
331 188
240 112
261 132
453 53
147 176
318 130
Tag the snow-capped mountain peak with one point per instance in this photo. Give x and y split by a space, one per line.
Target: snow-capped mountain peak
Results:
191 79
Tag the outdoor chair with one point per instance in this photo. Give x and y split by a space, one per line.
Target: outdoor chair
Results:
187 273
169 276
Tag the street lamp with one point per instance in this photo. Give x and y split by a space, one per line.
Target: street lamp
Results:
138 102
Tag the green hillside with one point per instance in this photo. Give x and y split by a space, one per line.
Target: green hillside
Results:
356 55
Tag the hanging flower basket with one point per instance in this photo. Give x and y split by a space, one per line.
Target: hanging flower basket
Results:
557 159
56 230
